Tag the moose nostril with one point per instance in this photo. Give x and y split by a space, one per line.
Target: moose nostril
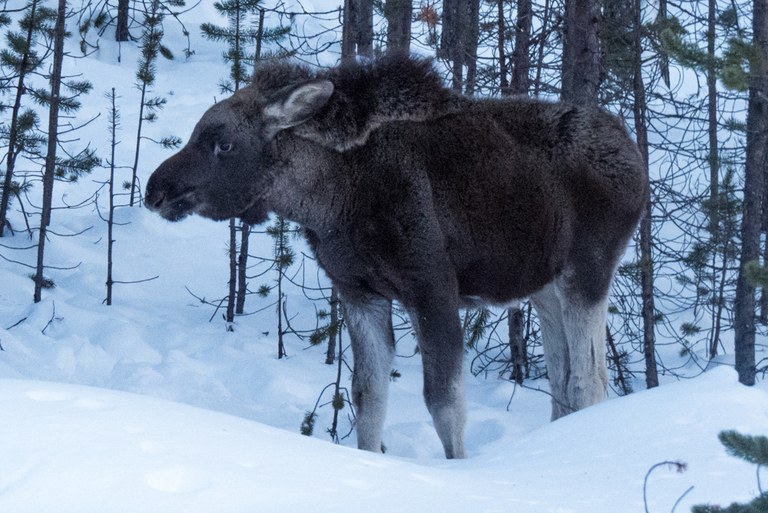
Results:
158 200
154 198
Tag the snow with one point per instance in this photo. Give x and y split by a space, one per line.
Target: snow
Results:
148 405
76 448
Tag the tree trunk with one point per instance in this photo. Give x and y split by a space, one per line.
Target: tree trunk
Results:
646 254
517 346
134 170
348 45
365 28
242 265
470 45
503 80
398 14
714 172
121 30
335 331
540 49
519 86
230 317
459 41
357 30
50 157
521 64
581 52
111 215
754 194
13 135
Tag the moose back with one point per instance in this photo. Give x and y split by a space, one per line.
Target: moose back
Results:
408 192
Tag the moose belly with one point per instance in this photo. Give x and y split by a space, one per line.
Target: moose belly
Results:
499 283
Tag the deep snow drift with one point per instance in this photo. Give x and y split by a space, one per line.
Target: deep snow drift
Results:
71 448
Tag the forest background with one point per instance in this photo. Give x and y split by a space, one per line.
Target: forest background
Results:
689 79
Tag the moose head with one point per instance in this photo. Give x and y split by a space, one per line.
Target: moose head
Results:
227 167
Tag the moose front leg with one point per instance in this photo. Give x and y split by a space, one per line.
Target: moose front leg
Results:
369 323
440 340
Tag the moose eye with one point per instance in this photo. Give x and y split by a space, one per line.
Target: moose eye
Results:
223 147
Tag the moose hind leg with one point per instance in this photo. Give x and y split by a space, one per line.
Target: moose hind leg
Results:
370 329
440 342
584 323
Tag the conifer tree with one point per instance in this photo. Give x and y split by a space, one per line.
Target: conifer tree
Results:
398 14
22 59
755 185
151 48
114 123
72 165
284 257
50 160
239 37
753 449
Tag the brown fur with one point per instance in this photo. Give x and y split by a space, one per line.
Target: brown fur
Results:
409 193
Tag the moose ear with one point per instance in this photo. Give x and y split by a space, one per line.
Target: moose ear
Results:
296 104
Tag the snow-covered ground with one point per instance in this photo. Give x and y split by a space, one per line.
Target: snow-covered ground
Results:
146 405
71 448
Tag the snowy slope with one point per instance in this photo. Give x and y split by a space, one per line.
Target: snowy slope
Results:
147 405
71 448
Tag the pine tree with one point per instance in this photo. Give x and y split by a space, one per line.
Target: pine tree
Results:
755 185
284 257
50 160
458 42
357 30
114 123
22 60
753 449
398 14
71 166
151 48
238 38
581 51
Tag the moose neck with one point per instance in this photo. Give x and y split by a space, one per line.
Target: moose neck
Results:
308 187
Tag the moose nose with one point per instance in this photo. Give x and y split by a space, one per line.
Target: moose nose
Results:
154 197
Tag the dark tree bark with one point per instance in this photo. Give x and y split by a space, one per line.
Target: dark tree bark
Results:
714 168
646 254
459 41
470 44
242 267
581 52
540 49
50 158
521 64
520 86
111 216
121 30
399 14
754 194
503 80
357 30
230 315
335 331
517 345
452 41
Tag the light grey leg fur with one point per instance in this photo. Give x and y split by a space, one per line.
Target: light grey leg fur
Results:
555 348
573 333
440 342
370 329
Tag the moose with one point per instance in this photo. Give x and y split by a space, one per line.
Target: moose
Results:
409 192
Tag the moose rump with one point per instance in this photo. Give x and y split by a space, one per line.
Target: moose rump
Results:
409 193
